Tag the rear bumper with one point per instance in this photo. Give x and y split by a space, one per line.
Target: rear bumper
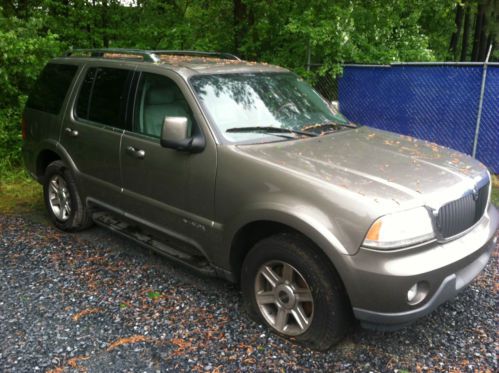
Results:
381 280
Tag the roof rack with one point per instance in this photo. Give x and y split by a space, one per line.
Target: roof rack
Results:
150 55
228 56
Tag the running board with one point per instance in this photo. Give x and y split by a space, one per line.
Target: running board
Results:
147 240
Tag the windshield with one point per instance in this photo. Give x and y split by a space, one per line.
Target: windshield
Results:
245 107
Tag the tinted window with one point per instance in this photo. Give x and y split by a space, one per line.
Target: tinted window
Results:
84 96
158 97
51 88
103 96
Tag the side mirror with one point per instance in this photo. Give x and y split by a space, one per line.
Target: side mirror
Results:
174 135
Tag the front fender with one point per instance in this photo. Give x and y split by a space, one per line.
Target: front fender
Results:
308 220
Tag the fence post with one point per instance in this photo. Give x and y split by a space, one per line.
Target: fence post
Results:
480 103
309 53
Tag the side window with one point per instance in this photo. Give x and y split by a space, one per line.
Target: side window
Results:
51 87
84 95
103 95
158 97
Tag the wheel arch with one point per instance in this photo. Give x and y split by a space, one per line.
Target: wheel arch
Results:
48 153
249 233
252 232
247 236
43 159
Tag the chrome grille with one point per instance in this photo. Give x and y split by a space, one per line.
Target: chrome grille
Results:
459 215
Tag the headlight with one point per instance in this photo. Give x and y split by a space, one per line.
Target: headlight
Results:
400 229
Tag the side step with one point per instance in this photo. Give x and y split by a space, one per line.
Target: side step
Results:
147 240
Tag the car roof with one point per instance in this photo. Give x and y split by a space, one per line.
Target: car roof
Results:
188 64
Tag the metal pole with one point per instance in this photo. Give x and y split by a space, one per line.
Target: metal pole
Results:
308 55
480 103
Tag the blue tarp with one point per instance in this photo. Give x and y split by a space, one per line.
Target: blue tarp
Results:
438 103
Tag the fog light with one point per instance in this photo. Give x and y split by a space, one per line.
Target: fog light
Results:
411 294
417 293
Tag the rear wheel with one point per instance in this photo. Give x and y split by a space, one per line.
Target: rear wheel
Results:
288 285
62 199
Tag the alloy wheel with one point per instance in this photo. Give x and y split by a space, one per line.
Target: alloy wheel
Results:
284 298
59 198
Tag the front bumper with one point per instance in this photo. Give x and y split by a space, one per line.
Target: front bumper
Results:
379 280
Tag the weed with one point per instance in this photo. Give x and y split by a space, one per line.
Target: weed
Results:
153 295
495 190
19 193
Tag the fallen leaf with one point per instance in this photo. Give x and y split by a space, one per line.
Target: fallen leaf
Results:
74 361
56 370
86 312
181 343
128 340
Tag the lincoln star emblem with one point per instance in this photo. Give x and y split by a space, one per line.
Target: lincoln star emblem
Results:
475 194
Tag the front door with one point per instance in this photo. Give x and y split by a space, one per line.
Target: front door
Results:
161 185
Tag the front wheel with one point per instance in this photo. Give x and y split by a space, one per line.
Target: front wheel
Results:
287 284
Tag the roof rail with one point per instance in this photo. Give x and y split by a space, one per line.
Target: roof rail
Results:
150 55
228 56
146 55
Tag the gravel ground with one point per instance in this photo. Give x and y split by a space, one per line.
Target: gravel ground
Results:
95 302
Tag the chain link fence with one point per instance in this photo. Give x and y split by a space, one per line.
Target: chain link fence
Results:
325 84
434 102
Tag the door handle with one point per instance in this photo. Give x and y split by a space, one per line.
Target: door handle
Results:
71 132
136 153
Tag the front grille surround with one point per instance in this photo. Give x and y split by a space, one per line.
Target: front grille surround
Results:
463 213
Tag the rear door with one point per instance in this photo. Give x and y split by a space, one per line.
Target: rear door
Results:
92 132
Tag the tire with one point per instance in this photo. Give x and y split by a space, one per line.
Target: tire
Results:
313 293
59 188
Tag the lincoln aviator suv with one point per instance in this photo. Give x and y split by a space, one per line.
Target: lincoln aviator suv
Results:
241 170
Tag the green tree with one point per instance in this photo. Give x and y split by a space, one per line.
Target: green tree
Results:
283 32
25 48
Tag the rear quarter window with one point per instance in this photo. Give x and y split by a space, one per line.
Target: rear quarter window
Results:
51 87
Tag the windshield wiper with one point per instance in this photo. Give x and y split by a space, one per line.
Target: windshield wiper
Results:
321 126
270 129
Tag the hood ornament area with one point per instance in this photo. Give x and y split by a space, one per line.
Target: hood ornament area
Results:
475 193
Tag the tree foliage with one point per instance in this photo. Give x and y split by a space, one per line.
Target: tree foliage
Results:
24 49
284 32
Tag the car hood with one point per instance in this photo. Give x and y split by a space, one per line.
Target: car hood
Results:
380 166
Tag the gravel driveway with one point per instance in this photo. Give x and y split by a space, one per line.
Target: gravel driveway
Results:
95 302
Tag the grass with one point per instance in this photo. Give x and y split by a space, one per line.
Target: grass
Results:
495 190
19 193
